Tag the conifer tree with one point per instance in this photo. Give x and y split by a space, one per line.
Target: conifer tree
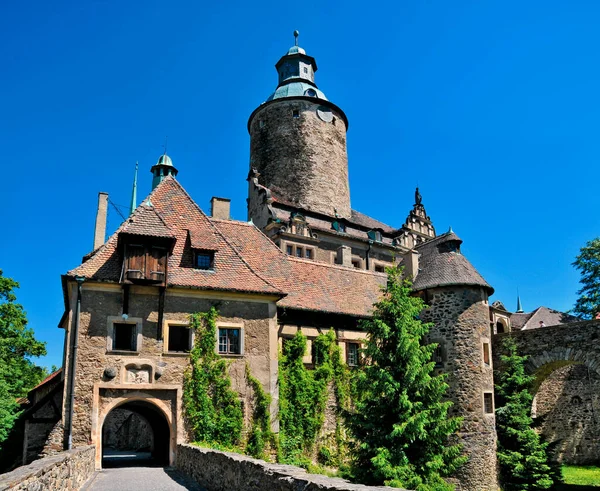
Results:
522 453
400 423
587 262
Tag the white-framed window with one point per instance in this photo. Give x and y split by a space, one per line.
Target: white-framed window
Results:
352 354
230 339
177 337
124 334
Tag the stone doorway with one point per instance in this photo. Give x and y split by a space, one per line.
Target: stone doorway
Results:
135 433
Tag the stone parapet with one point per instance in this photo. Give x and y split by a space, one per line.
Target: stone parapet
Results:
224 471
65 471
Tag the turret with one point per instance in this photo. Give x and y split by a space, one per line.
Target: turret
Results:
163 168
298 140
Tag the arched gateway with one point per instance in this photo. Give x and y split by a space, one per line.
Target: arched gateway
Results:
134 428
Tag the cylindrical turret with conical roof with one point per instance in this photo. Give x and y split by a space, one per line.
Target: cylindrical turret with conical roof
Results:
298 140
457 296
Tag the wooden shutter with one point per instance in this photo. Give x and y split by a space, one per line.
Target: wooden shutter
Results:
136 258
157 261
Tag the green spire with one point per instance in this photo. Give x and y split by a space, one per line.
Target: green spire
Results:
519 306
134 191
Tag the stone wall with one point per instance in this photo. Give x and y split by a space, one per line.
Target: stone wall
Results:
302 158
566 402
225 471
68 470
461 328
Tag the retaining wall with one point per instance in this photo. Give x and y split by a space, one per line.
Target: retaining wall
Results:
65 471
224 471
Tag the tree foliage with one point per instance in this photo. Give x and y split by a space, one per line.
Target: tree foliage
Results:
18 374
400 422
588 264
212 408
522 454
303 396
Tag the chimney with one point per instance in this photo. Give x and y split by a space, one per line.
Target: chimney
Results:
411 264
219 208
100 229
344 256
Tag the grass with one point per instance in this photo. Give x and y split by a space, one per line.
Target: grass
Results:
580 478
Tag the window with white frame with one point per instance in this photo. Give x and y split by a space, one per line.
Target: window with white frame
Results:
230 340
352 354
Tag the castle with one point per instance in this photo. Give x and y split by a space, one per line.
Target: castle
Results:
304 260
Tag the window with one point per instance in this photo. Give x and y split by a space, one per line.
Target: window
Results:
299 251
486 353
145 262
308 254
352 354
204 260
356 263
230 341
180 339
438 355
305 70
261 123
124 337
488 403
296 113
289 249
380 268
311 93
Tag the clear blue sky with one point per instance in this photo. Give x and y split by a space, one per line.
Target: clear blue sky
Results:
493 107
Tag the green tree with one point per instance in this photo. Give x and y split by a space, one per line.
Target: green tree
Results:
212 408
588 264
522 453
18 374
400 423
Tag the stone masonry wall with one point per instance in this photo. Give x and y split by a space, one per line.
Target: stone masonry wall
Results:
225 471
461 326
93 357
65 471
303 159
566 402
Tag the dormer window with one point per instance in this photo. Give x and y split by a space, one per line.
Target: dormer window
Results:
204 260
374 235
144 261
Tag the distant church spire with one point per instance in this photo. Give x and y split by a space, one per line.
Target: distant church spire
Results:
519 306
134 190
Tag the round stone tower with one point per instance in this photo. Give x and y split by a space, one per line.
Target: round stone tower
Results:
298 140
457 296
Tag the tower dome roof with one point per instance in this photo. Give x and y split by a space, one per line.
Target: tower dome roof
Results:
164 159
294 89
294 50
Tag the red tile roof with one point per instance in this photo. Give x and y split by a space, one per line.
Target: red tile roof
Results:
189 225
309 285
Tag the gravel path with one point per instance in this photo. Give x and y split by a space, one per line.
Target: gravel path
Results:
140 478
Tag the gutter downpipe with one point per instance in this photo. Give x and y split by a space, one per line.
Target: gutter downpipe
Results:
73 361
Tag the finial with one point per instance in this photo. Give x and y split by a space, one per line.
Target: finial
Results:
418 197
165 145
450 231
296 34
134 190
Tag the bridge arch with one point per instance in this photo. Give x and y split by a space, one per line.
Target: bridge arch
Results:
145 414
565 361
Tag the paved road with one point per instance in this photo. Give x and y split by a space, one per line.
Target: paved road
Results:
140 478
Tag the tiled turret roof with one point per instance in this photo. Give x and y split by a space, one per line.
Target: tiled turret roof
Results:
442 264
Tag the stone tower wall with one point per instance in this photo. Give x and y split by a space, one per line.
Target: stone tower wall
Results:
461 327
302 159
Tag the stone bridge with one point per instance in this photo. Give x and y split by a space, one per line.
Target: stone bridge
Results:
553 347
